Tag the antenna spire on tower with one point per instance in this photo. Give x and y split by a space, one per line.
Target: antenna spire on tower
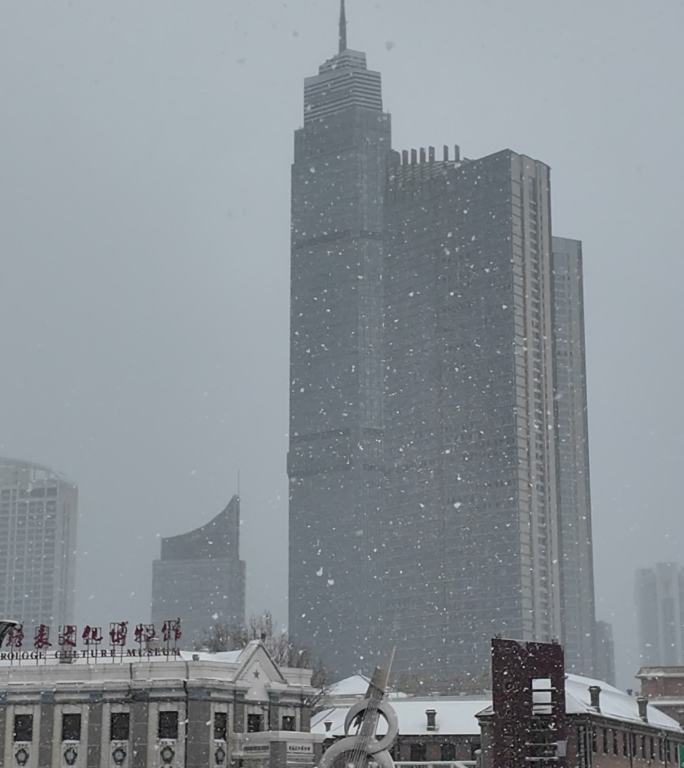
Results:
343 27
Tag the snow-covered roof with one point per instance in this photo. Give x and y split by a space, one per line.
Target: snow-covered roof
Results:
454 715
457 715
614 703
252 668
356 685
346 691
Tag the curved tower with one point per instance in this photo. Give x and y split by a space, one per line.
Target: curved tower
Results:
200 577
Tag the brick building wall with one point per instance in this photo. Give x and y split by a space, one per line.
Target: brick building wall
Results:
664 687
594 742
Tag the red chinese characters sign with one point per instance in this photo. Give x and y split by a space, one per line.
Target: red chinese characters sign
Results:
21 642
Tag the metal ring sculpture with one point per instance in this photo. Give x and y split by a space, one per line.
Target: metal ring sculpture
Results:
364 746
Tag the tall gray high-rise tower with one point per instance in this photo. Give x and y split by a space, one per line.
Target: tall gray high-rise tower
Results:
580 638
335 451
659 596
38 519
438 493
472 505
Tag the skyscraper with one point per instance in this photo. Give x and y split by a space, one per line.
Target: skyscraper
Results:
431 469
200 577
659 597
38 520
577 565
472 506
604 652
335 452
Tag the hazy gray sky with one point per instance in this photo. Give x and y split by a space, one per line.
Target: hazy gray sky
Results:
144 248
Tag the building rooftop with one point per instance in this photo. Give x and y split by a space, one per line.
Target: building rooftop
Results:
656 671
356 685
457 715
253 665
39 472
217 538
614 703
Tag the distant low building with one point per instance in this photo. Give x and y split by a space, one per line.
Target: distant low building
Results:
195 710
664 687
38 520
200 578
